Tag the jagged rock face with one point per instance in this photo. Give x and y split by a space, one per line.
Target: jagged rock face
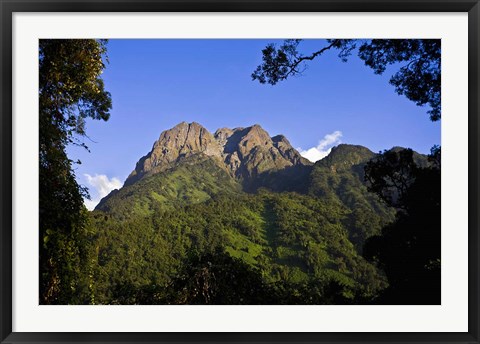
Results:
288 152
243 152
181 141
222 135
251 151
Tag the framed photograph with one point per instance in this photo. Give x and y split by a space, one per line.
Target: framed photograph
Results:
214 171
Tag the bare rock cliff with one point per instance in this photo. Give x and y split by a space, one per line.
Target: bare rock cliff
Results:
243 152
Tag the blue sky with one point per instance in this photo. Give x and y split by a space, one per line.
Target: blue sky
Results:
155 84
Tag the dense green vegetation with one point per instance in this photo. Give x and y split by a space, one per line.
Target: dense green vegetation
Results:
339 178
190 235
70 91
287 237
196 180
355 228
302 248
408 249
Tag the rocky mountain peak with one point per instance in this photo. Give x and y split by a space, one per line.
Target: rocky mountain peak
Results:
181 141
280 138
243 152
223 134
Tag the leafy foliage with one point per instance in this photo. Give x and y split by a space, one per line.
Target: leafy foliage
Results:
299 248
193 234
418 78
195 180
288 239
408 250
71 90
338 178
157 242
218 278
390 175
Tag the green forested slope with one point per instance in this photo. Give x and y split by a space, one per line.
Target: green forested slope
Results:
289 238
305 248
339 178
195 180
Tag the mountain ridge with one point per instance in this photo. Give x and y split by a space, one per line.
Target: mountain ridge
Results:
242 152
252 196
250 157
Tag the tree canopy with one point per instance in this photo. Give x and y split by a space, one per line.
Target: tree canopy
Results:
418 77
408 249
70 91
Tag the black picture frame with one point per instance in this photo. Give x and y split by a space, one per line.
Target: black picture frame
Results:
8 7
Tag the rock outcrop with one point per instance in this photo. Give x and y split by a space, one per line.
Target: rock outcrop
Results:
243 152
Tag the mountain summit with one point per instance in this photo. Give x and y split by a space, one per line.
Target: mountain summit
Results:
253 197
243 152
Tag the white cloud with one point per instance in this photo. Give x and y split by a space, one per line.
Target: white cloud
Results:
91 203
323 148
100 186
